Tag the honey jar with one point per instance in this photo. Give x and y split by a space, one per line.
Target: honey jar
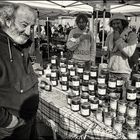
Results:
75 90
75 104
131 94
62 61
64 77
80 67
131 121
117 125
63 68
94 103
70 96
85 109
54 60
93 72
132 110
64 85
122 105
72 71
101 79
70 64
92 85
132 133
120 82
91 94
85 86
112 82
86 76
75 81
54 81
107 119
102 89
84 97
113 103
99 114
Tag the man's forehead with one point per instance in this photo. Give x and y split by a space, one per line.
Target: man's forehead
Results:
116 20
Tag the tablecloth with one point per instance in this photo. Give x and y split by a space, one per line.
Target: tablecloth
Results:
53 106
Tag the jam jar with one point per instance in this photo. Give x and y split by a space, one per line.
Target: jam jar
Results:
86 76
132 110
91 94
64 77
136 80
99 114
105 71
102 89
117 125
80 67
132 133
64 85
76 90
54 73
122 105
120 82
54 60
93 72
107 119
131 121
84 97
85 109
75 104
94 103
48 87
113 103
112 82
54 81
121 117
75 81
72 71
63 61
48 77
101 79
70 96
70 64
131 94
92 85
63 68
85 86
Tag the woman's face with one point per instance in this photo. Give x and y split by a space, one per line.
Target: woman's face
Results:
82 24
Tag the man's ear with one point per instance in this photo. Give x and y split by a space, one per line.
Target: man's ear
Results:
8 22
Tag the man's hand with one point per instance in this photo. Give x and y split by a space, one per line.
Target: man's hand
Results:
116 35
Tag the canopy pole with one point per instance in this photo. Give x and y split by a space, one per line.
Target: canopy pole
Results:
48 41
104 12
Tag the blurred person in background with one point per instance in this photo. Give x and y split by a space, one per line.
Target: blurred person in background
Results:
80 42
19 96
121 45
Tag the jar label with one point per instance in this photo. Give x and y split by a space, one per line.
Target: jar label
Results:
131 122
76 92
61 63
85 112
137 84
84 100
119 82
101 91
101 80
70 66
122 108
53 61
91 87
80 70
108 121
64 79
132 135
118 127
53 74
93 74
63 70
72 73
131 96
75 107
69 101
93 106
64 87
75 83
85 77
113 105
132 112
111 84
54 83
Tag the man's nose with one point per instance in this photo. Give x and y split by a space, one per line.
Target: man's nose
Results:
28 30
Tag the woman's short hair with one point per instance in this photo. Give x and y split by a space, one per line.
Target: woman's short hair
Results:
83 16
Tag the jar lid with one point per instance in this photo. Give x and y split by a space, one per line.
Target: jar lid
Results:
102 85
63 59
85 105
54 56
102 76
71 95
70 62
63 66
54 70
105 71
85 82
84 95
94 67
91 92
130 105
64 82
81 65
136 77
92 82
113 79
64 73
131 89
86 72
75 87
94 100
76 78
72 69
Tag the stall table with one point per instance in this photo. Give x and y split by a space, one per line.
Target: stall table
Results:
53 106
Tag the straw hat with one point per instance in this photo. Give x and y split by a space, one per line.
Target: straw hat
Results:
117 16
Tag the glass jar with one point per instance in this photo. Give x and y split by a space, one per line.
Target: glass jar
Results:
64 85
94 103
119 91
132 133
54 81
136 80
107 119
92 85
48 87
42 84
72 71
102 100
121 117
64 77
120 82
122 106
80 67
132 110
54 73
86 76
54 60
99 114
112 92
75 104
85 109
91 94
63 68
101 79
113 112
131 121
93 72
63 61
117 125
112 82
70 64
85 86
131 94
48 77
84 97
113 103
105 71
102 89
75 81
75 90
70 96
